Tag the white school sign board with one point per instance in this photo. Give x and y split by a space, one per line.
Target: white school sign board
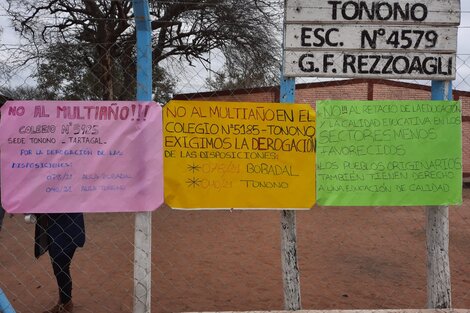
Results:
371 39
434 12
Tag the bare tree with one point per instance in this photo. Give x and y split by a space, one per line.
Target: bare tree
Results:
102 35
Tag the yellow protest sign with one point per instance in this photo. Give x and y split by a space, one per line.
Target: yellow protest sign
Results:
239 155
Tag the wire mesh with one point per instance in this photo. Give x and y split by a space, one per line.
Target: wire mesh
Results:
349 257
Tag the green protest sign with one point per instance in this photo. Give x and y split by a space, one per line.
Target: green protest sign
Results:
384 153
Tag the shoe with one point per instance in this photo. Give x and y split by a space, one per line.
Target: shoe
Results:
61 308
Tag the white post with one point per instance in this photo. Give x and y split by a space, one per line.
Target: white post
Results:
438 268
290 269
143 220
437 234
142 262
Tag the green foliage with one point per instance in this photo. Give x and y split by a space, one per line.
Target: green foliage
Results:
68 72
21 93
63 74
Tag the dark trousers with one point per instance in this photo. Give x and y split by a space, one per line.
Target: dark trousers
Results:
61 265
2 214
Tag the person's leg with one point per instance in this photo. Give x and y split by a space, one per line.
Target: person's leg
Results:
61 265
2 214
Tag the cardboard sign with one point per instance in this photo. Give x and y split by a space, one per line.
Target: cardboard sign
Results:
385 153
239 155
77 156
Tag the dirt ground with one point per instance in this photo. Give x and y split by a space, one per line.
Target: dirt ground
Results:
349 258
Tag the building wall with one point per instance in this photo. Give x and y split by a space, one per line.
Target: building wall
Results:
466 146
264 96
391 92
465 105
357 91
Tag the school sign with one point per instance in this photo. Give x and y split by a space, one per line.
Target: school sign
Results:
412 39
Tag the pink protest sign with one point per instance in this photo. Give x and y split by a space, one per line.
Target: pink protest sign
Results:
77 156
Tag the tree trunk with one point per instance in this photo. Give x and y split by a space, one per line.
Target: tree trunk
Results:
105 70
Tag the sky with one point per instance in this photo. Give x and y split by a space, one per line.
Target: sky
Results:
463 42
196 83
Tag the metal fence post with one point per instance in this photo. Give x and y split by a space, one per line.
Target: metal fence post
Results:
143 221
290 269
289 263
437 234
